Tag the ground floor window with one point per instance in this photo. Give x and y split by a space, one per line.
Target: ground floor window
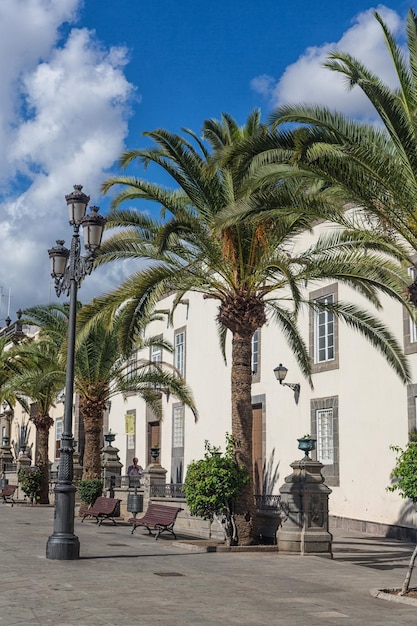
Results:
324 419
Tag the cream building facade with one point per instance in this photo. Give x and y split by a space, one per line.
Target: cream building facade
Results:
357 408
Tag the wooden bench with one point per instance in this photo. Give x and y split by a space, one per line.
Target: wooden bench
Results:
7 493
103 508
159 517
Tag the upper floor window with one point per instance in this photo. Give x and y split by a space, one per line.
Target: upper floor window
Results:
255 352
179 351
324 330
156 354
409 326
131 365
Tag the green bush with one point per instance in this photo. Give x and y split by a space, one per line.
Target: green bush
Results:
212 484
90 490
30 479
405 470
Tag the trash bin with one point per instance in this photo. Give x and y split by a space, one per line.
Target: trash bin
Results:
135 503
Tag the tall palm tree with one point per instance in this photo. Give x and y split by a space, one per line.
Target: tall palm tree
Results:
101 370
374 168
247 267
40 376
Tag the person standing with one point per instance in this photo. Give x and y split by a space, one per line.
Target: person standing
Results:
135 469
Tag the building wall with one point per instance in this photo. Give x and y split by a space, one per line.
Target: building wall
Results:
372 405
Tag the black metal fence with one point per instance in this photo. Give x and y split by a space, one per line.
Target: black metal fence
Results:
168 490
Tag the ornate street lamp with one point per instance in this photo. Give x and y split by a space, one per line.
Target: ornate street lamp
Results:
280 373
69 268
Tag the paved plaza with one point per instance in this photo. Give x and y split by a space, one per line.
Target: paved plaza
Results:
128 580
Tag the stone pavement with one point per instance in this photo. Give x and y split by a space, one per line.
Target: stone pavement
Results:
129 580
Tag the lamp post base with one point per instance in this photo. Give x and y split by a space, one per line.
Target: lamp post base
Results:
63 547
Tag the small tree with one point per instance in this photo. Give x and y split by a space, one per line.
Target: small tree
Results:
211 487
90 490
30 479
405 477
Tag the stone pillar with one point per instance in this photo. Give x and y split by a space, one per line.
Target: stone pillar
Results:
305 505
111 465
154 474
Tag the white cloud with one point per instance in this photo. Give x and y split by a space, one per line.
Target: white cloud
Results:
64 107
308 81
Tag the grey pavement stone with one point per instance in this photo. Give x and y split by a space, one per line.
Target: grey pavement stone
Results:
128 580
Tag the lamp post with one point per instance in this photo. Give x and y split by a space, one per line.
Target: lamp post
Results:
69 268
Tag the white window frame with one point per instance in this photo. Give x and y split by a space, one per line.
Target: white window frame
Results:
325 435
179 352
255 353
412 272
324 331
178 425
156 354
131 365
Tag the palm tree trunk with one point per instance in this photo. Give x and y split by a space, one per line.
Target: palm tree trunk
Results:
43 424
241 397
92 446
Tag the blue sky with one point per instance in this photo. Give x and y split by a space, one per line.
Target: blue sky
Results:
81 81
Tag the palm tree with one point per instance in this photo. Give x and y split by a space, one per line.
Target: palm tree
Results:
101 371
247 267
39 376
374 168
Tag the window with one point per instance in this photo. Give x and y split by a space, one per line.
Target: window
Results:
177 453
156 357
58 436
324 332
178 427
179 351
412 408
130 430
324 421
323 342
255 364
131 365
409 326
156 354
325 442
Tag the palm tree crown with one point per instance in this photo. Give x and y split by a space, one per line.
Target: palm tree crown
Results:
372 167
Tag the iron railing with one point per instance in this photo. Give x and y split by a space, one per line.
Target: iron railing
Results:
168 490
268 501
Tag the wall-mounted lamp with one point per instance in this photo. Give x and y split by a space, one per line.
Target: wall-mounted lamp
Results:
280 374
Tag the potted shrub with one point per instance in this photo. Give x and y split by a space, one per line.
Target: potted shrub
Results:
90 490
30 479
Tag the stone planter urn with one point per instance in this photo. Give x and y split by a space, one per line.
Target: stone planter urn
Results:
306 444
